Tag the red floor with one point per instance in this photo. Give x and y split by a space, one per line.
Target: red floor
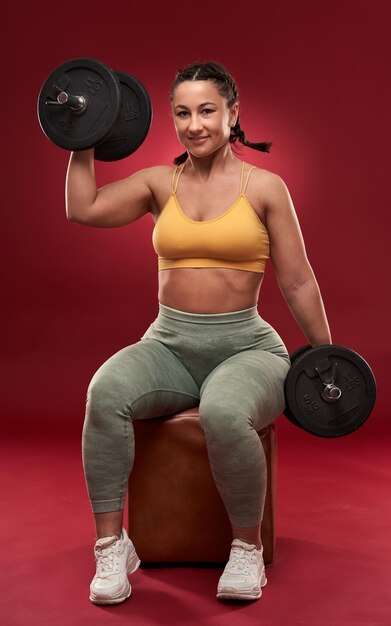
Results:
333 561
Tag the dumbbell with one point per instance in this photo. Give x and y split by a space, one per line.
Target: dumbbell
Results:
84 104
330 390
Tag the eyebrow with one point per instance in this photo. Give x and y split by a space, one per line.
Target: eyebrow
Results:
182 106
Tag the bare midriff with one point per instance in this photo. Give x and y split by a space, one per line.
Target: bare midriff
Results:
209 290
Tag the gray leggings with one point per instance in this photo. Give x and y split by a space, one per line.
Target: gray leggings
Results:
232 364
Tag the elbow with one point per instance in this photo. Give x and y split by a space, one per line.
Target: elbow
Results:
293 281
75 216
292 289
296 285
72 218
70 211
69 215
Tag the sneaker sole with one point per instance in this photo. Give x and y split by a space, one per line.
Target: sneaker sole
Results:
122 598
230 593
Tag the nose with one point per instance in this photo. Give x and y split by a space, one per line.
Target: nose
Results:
195 124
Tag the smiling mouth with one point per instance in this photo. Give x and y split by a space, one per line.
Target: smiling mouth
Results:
198 138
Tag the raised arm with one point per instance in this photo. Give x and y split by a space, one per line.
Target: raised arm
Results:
294 273
115 204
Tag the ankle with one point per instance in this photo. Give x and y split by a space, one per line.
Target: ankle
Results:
108 524
103 534
249 534
249 542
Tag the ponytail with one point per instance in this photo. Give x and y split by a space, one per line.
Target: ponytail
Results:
238 134
181 159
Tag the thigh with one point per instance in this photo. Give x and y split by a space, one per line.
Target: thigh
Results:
248 386
144 380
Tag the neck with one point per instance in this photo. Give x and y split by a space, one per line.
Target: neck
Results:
219 161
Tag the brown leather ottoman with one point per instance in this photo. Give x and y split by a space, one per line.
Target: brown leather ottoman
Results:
175 511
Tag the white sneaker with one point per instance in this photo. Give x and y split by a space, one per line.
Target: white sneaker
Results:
115 559
244 575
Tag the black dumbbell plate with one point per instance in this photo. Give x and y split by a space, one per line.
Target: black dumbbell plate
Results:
133 122
303 388
99 86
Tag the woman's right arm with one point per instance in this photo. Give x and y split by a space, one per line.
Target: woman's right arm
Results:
115 204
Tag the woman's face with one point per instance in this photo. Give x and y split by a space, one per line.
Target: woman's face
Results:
201 117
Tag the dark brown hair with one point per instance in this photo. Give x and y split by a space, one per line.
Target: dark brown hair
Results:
226 87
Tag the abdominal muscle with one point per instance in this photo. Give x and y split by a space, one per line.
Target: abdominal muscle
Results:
209 290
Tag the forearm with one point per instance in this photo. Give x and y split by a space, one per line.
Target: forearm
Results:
306 305
80 186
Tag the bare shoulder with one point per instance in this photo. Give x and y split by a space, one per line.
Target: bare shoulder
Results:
156 174
159 181
267 192
267 184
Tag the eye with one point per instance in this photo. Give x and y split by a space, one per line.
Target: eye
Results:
183 114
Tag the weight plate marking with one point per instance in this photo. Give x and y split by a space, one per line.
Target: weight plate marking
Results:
133 123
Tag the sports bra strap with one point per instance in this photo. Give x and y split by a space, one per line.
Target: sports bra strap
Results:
243 191
175 178
241 178
179 169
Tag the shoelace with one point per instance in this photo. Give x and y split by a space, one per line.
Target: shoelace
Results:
239 560
104 555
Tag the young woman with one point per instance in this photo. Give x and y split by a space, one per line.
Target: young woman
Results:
217 222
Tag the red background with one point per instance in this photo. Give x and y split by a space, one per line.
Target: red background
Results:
313 78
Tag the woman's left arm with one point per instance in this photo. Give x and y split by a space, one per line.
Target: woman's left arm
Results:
294 273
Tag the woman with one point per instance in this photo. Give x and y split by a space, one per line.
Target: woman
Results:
217 221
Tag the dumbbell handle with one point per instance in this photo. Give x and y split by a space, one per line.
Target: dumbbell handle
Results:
76 103
331 392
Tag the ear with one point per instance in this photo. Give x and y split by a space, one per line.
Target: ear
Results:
233 114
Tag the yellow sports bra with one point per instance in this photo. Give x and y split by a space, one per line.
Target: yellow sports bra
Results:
235 239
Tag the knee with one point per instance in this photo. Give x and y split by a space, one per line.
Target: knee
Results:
221 420
104 392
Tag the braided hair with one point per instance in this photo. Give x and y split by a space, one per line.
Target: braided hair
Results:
227 88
